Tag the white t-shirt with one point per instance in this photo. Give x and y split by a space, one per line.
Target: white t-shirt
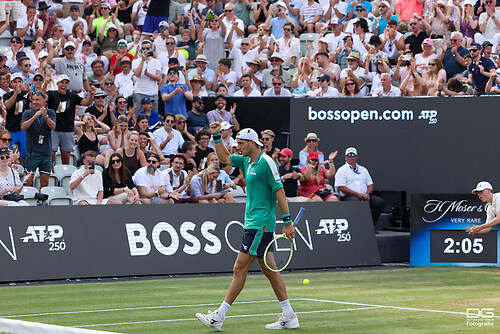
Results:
359 73
125 83
170 184
68 24
164 58
289 49
144 84
341 7
160 45
283 93
31 32
330 92
335 41
228 24
254 92
491 28
141 16
152 183
229 77
240 59
350 25
173 146
395 91
422 62
390 47
491 211
89 188
355 179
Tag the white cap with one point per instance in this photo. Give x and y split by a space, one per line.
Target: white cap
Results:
351 150
249 134
15 76
386 3
106 4
122 41
62 77
469 2
281 3
481 186
112 26
43 54
163 24
69 44
225 125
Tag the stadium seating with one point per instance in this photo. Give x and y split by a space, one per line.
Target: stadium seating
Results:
63 175
307 37
239 195
57 196
29 195
73 158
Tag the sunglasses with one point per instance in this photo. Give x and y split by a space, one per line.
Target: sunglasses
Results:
99 97
245 44
4 157
15 42
181 122
27 65
38 79
70 49
312 140
454 40
277 84
314 160
275 60
287 29
122 45
40 94
432 64
108 84
266 139
321 80
473 50
350 155
169 121
413 23
228 10
145 48
152 161
104 8
122 102
6 140
360 10
350 84
163 28
116 161
170 43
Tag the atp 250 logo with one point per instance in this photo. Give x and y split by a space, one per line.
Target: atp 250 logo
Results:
46 233
332 226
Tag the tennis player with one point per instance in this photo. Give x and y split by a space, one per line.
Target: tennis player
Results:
484 191
264 187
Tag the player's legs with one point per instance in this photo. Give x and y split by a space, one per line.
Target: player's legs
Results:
275 279
240 271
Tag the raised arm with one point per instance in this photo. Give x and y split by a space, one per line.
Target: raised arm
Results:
220 149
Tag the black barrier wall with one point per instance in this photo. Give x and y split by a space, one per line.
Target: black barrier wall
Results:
131 240
418 145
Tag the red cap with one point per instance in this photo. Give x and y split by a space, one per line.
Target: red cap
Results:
287 151
313 155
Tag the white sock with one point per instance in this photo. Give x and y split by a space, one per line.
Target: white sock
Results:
287 308
224 307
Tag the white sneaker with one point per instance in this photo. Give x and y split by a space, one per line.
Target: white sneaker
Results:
211 319
285 323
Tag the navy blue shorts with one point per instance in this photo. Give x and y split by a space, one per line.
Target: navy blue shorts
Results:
254 242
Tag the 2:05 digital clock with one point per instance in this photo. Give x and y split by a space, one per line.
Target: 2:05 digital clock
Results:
458 246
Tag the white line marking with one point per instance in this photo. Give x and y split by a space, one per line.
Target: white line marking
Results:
384 306
229 316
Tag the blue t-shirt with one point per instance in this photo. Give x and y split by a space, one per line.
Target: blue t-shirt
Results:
177 104
295 4
382 23
451 65
153 119
480 80
277 26
368 7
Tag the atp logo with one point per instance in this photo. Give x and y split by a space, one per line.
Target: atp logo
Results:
339 226
43 233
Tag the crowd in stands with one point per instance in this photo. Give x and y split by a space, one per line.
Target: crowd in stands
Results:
125 80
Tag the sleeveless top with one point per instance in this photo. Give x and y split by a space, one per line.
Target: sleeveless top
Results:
85 144
132 163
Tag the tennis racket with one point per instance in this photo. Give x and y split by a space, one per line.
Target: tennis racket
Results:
278 253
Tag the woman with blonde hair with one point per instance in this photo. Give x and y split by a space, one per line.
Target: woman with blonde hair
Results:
47 71
312 143
56 39
36 50
78 36
205 185
467 23
133 157
422 59
117 135
302 79
314 178
434 76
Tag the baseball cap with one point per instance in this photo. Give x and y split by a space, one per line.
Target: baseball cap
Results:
221 96
385 3
38 75
112 26
485 44
469 2
481 186
281 3
225 125
74 7
428 41
20 54
43 54
313 155
197 98
146 100
335 22
375 40
86 42
62 77
324 77
4 150
476 46
287 152
351 150
361 5
16 76
249 134
163 24
106 4
67 44
123 41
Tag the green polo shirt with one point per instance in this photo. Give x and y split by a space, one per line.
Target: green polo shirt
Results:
263 179
99 21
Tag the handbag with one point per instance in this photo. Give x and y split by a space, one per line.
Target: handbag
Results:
13 197
323 192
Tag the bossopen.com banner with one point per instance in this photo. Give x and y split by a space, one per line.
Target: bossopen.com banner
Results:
38 243
438 232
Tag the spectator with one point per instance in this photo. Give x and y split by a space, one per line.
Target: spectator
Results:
24 64
168 139
106 19
70 66
362 19
422 59
289 176
117 182
174 94
405 11
350 88
178 181
213 8
417 37
133 157
87 57
160 41
354 72
124 80
10 183
49 22
151 183
196 118
255 74
147 109
17 52
337 35
242 55
386 14
302 79
246 89
467 22
189 152
232 23
212 41
116 58
361 37
279 20
490 88
224 180
220 114
142 124
452 56
5 140
310 14
64 103
121 110
91 12
204 185
193 20
392 41
312 141
355 184
197 86
381 66
109 43
16 104
157 11
314 179
226 134
267 138
148 146
36 54
224 76
147 71
139 12
480 70
342 52
171 52
29 27
276 70
204 71
288 46
117 135
180 125
74 17
439 22
454 87
489 25
263 42
38 124
434 76
202 138
222 90
57 39
418 86
386 88
400 73
324 89
101 110
487 50
277 89
175 17
322 67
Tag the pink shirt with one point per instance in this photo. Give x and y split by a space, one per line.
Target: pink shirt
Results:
408 7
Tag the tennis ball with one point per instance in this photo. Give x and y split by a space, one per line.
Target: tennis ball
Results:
305 281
